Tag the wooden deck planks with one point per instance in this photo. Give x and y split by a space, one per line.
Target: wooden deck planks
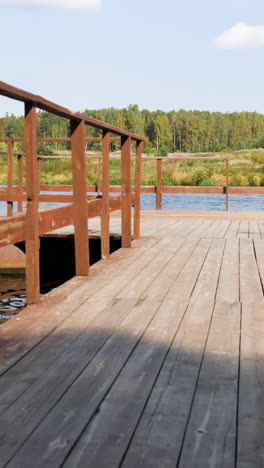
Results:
56 434
136 287
140 364
106 438
30 330
26 371
23 416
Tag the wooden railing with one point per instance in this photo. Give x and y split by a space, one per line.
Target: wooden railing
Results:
159 189
17 193
30 224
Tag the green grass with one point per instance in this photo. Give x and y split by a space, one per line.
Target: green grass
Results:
246 169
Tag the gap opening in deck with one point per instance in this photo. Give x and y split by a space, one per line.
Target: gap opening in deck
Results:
57 265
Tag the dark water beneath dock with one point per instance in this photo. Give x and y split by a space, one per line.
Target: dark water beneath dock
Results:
12 294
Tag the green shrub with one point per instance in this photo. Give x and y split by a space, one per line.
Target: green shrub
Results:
206 182
163 151
45 149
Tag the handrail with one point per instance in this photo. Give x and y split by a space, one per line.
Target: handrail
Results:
48 106
30 225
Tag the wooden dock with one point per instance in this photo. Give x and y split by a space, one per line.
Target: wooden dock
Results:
154 360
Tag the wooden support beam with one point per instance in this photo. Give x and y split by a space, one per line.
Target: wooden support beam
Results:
32 223
20 180
105 217
99 175
227 185
10 176
126 190
80 199
138 190
158 187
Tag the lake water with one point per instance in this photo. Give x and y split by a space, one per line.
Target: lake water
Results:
12 287
190 201
184 201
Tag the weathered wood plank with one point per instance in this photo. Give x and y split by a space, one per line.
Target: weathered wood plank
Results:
259 252
228 286
231 232
222 229
182 287
250 451
158 438
243 230
261 228
199 231
211 433
162 283
250 284
253 230
208 278
212 230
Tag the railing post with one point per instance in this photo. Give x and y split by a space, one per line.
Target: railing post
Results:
138 190
32 221
10 176
158 187
227 185
80 209
99 172
105 217
20 180
126 190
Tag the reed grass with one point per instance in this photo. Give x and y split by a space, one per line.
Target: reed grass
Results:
246 169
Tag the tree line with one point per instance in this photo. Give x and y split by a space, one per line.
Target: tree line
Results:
184 131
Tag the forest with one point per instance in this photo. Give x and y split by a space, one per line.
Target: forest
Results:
166 132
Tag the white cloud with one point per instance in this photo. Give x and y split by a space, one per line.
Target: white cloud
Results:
70 4
241 36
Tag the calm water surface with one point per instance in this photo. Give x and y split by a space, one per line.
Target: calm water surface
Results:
12 287
12 294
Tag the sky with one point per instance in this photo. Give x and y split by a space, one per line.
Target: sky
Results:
169 54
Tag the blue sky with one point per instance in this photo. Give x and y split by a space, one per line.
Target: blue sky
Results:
196 54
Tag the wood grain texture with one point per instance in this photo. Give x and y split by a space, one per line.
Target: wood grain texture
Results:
211 434
250 451
140 364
